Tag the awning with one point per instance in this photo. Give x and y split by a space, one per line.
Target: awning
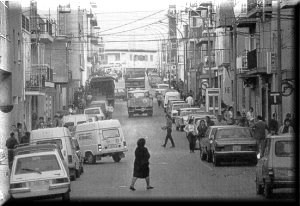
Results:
34 93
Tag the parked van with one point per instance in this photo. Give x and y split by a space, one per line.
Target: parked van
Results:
95 112
62 137
170 96
100 139
71 121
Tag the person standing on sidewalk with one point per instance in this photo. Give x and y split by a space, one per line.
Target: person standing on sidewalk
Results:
260 133
159 99
141 164
10 144
168 127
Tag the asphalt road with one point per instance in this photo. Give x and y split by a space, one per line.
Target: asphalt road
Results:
175 173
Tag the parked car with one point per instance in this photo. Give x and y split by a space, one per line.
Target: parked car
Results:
276 168
79 154
101 139
182 117
62 137
102 104
228 142
161 88
174 109
39 171
120 93
95 112
171 102
174 95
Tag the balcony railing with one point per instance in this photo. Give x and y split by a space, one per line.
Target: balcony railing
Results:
196 32
257 60
41 29
94 40
39 77
93 22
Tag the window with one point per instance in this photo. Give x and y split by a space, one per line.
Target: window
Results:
37 164
92 111
284 148
110 133
194 22
51 141
234 133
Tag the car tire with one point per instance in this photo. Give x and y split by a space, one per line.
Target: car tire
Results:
268 191
73 177
81 169
215 160
130 115
116 157
181 128
66 196
259 188
177 128
90 159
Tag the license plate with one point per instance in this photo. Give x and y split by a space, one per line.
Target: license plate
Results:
39 183
112 146
236 148
290 173
122 155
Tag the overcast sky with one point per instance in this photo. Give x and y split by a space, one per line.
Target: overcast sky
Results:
126 20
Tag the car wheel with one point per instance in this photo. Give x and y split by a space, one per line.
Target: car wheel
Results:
73 176
90 158
177 128
130 115
268 190
215 160
66 196
81 169
116 157
254 162
259 188
181 129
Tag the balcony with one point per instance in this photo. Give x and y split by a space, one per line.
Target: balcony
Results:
241 64
39 78
195 32
206 61
256 7
41 30
204 37
94 40
258 62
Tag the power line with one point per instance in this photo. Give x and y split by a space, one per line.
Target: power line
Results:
133 21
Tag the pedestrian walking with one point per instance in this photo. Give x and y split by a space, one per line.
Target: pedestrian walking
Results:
141 164
243 122
289 117
260 133
273 125
26 138
168 127
202 128
159 99
250 114
20 131
41 123
230 120
49 123
190 100
110 110
286 128
191 132
11 143
209 122
221 120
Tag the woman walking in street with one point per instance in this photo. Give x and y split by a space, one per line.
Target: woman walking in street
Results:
201 129
141 164
191 132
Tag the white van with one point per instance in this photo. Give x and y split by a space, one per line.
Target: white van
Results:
100 139
62 137
74 120
171 96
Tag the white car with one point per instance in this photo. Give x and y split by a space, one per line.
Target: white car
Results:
95 112
39 171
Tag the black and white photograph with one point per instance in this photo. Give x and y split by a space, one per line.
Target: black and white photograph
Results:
159 100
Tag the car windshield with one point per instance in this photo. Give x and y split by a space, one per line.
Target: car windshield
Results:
184 113
234 133
69 124
51 141
81 122
92 111
36 164
138 94
111 133
284 148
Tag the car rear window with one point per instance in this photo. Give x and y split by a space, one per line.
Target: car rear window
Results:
81 122
51 141
234 133
68 124
36 164
92 111
284 148
110 133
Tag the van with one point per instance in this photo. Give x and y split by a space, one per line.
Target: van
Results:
62 137
171 96
71 121
100 139
95 112
100 103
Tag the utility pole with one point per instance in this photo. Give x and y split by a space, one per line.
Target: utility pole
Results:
208 49
234 54
279 78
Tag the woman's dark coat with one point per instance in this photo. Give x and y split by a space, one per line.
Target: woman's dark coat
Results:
141 163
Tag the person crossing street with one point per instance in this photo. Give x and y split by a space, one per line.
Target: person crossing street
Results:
168 127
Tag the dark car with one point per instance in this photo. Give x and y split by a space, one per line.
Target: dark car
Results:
228 142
